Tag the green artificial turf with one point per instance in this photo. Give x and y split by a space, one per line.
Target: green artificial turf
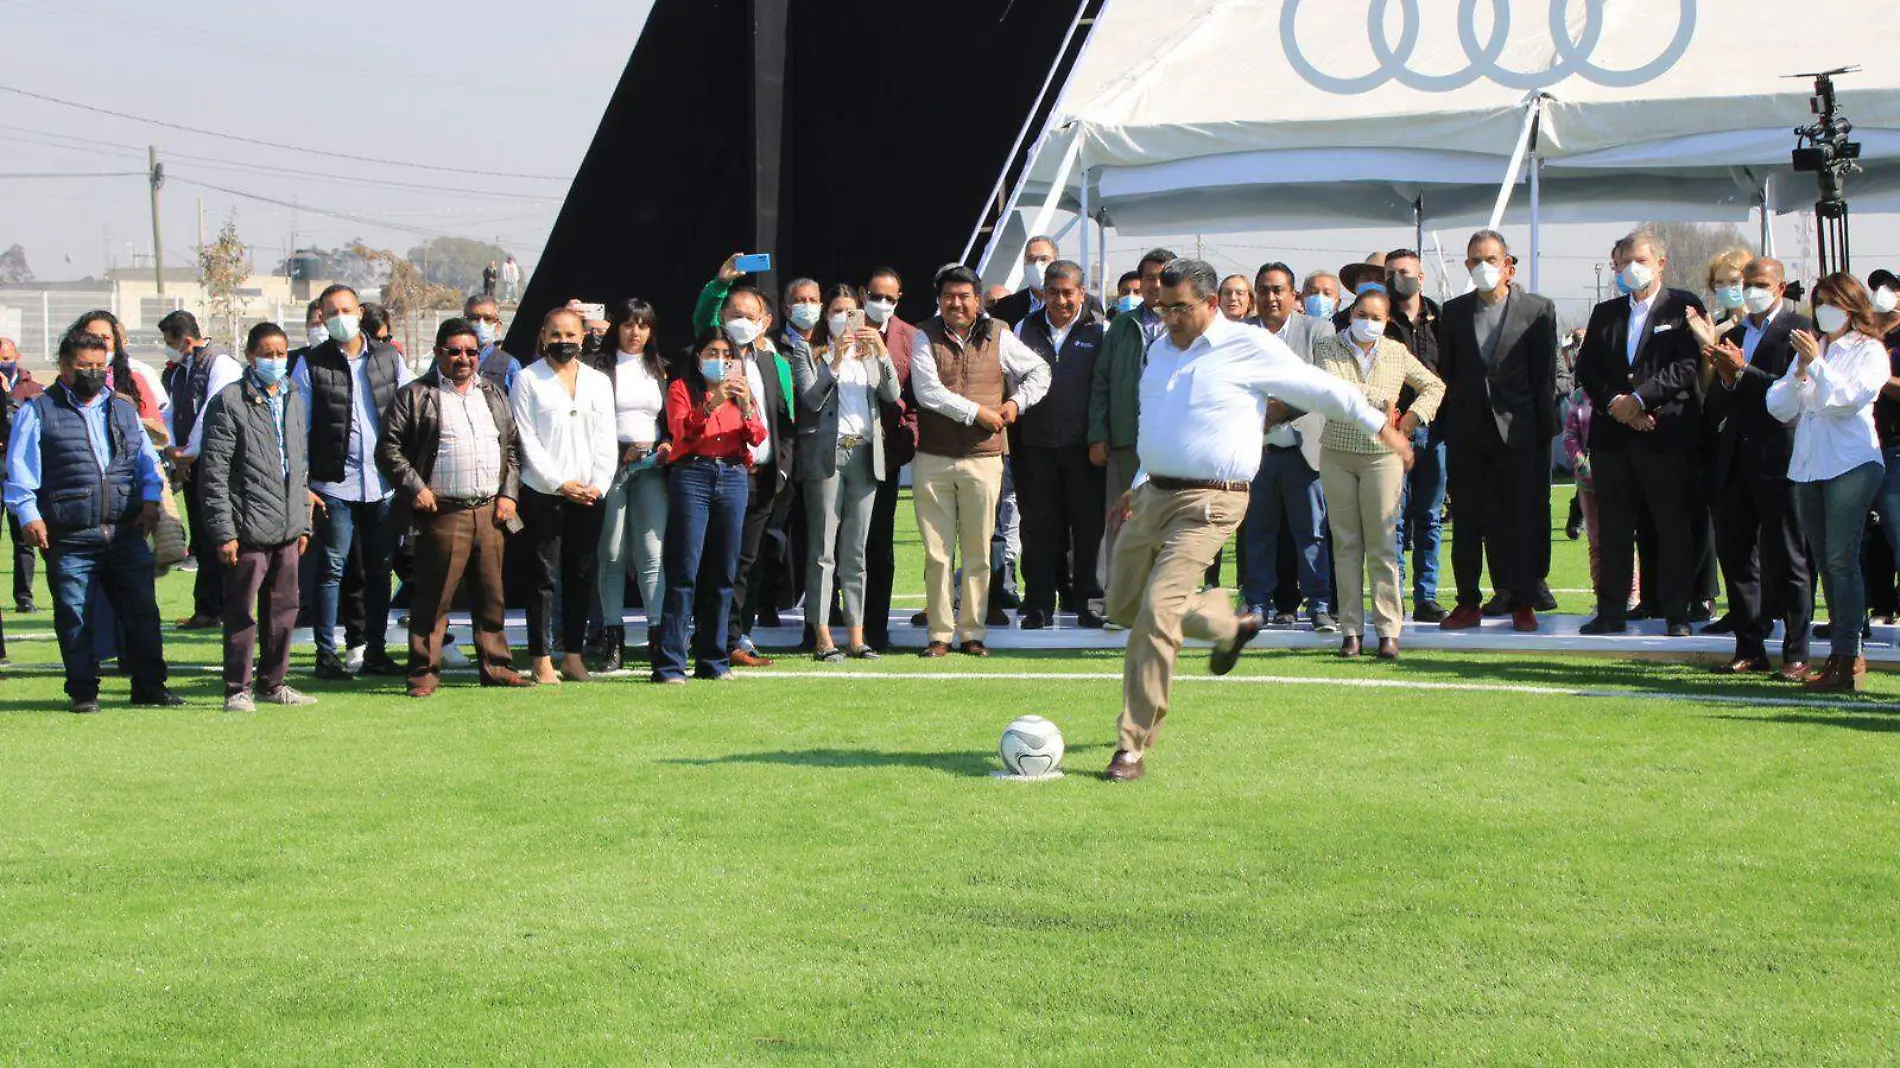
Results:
794 868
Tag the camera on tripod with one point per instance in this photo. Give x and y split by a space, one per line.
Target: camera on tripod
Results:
1823 149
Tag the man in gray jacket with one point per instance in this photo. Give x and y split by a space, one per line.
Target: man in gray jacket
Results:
254 477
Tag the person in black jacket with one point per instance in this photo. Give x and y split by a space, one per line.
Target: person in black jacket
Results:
1497 352
1638 365
1757 533
254 481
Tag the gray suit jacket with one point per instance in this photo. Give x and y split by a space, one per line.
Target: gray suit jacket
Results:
816 390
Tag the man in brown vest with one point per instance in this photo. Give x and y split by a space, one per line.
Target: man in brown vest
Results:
971 377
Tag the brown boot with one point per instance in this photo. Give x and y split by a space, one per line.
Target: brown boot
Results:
1817 672
1844 675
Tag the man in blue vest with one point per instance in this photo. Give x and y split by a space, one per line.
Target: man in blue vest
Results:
196 374
83 481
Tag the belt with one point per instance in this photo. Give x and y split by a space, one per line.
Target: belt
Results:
850 441
1177 485
461 503
1277 450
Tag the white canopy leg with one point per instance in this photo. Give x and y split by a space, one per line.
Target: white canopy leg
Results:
1088 277
1537 168
1045 214
1531 111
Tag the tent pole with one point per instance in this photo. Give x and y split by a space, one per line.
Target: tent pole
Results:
1418 223
1084 218
1767 231
1537 167
1531 111
1058 185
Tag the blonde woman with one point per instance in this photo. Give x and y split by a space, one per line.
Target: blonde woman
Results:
1723 280
1362 477
1236 297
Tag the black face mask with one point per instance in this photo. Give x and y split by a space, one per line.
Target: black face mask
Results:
1403 286
562 352
591 346
88 383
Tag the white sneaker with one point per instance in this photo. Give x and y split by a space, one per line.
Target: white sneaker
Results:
240 702
452 656
353 660
284 695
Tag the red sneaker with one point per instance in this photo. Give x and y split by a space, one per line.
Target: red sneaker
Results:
1464 617
1524 620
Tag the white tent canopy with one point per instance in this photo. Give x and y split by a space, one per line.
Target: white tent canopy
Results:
1231 115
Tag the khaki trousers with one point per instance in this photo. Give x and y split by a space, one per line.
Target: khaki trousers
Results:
1154 588
1362 507
956 513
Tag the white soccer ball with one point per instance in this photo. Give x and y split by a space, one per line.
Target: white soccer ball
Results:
1031 746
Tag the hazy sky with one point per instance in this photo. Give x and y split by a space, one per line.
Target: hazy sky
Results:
485 86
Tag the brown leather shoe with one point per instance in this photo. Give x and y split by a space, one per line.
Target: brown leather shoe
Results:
741 658
974 648
1524 620
1743 665
1226 656
1120 770
935 650
197 622
1846 675
1349 647
1816 674
1388 648
422 689
507 677
1795 672
1463 617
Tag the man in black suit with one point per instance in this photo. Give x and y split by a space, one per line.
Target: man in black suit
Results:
1638 366
1757 534
1497 352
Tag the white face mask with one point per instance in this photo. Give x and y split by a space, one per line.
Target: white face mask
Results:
1486 276
1830 319
316 335
806 314
484 332
880 310
839 324
1885 301
1758 300
344 328
742 331
1637 276
1367 330
1033 272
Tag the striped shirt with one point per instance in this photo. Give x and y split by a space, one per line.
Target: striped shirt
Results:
468 460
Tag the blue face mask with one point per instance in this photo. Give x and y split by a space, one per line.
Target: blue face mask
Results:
1128 303
1622 287
1729 296
714 371
271 372
1320 306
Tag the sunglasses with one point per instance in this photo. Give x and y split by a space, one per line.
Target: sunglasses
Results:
461 352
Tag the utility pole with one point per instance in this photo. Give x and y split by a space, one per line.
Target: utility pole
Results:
1599 283
158 240
1200 248
201 226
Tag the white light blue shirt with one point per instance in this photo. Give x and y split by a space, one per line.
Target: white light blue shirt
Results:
1751 334
1639 322
23 456
362 481
225 369
1832 409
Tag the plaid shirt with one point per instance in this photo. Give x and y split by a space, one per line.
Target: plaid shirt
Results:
1393 366
468 460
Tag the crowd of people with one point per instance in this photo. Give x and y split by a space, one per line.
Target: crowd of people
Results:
725 466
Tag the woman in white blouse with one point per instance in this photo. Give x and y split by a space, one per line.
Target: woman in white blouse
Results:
564 412
839 385
1828 396
633 512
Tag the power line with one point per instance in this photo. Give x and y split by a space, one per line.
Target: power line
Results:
273 144
91 174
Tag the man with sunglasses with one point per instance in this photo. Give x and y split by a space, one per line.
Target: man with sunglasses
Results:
1204 406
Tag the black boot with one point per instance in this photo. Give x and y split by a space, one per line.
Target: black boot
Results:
611 640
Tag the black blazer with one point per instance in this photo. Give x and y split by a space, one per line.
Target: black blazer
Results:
1746 433
1517 392
1663 375
774 407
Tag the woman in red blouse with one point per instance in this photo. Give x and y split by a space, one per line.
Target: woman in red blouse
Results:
712 423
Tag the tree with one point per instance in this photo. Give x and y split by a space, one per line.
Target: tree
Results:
1690 248
456 262
223 265
13 268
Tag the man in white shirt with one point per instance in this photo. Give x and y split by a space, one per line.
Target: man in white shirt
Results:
971 377
196 375
1203 402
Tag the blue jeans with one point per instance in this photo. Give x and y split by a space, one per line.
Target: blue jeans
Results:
705 522
1887 501
122 572
1286 488
1834 514
1421 512
339 522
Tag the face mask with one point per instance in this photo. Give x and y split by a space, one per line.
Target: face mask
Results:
1885 301
1128 303
1365 330
563 351
317 335
88 383
485 332
1635 277
1404 286
838 324
344 328
1730 296
271 372
1758 300
9 368
591 346
805 315
1320 306
1486 276
1829 318
879 310
742 332
714 371
1033 272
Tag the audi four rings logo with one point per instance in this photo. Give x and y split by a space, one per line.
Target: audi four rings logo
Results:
1573 55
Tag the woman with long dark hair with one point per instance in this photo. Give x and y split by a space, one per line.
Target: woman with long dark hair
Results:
635 505
128 379
713 422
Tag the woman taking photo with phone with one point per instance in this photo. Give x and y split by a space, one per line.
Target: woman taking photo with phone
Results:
634 515
712 423
839 382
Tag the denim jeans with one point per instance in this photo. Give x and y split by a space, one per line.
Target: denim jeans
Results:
1421 512
1887 501
119 573
1834 513
339 522
633 519
705 521
1286 488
